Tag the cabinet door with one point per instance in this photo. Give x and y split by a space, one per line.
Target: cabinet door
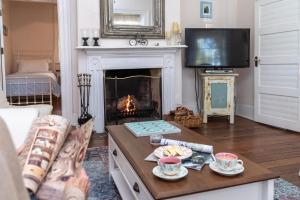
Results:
220 101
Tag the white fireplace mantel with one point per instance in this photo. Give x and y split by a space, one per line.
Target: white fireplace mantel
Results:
95 60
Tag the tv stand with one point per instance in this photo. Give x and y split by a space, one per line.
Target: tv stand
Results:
218 95
219 71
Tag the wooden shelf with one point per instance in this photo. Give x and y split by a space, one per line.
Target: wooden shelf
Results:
120 182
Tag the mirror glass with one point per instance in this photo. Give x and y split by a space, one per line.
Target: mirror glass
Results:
132 18
133 12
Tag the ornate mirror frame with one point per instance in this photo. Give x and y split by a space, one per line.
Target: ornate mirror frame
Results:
109 30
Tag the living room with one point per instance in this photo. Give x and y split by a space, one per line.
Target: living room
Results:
222 75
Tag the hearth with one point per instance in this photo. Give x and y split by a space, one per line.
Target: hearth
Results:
132 95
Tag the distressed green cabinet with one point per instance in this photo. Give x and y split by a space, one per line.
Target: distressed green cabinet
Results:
218 95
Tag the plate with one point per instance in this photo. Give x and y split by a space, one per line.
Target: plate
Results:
183 172
159 152
240 169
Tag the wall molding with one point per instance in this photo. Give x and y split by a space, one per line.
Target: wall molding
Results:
246 111
65 54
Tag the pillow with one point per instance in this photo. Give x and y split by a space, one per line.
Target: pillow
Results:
32 66
18 121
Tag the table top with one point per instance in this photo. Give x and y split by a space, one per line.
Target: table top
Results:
137 149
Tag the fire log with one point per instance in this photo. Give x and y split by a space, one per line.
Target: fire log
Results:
127 104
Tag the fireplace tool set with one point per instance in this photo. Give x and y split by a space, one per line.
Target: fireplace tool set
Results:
84 85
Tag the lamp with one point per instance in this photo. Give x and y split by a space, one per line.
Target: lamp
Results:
176 33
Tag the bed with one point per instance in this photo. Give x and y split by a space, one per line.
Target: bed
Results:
33 83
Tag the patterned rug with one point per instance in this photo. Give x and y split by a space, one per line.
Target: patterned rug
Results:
103 187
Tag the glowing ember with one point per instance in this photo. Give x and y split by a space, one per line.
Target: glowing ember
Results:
130 106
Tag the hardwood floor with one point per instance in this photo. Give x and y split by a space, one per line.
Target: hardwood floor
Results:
56 105
275 149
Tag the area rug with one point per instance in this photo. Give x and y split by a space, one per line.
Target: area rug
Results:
103 188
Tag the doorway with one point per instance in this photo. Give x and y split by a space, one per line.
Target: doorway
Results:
31 53
277 78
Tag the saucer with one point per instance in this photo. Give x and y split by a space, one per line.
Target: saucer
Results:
182 173
240 169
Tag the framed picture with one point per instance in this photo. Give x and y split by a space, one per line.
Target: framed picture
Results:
206 9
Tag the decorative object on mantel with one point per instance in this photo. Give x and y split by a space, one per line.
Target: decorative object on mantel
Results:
168 37
85 37
138 41
132 42
186 117
176 34
84 84
142 42
85 41
96 37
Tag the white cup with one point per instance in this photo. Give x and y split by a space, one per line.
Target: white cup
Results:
228 161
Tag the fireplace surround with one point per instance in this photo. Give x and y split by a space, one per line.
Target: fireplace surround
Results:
98 60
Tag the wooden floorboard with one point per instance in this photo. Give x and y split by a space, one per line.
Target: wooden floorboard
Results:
273 148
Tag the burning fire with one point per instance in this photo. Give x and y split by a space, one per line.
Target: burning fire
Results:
130 106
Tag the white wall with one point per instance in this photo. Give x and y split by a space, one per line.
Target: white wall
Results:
245 83
89 18
33 30
226 14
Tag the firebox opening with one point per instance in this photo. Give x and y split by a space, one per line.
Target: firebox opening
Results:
132 95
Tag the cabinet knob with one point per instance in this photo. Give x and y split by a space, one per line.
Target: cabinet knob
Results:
115 153
136 188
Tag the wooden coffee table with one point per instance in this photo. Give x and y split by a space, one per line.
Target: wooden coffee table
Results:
134 179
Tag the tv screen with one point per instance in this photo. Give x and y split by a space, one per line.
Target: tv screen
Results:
217 48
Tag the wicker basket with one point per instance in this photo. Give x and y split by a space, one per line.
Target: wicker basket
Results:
190 121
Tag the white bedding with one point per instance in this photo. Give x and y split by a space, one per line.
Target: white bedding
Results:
31 84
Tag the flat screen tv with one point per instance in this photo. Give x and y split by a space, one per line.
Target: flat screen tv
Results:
217 48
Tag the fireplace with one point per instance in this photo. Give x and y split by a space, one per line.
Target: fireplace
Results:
132 95
103 62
